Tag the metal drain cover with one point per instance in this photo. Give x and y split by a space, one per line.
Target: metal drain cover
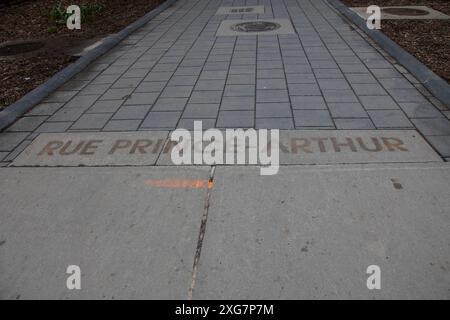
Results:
19 47
255 26
405 11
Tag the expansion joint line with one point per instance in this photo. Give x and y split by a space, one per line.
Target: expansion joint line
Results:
201 234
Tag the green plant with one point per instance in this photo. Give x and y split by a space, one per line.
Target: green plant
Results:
58 14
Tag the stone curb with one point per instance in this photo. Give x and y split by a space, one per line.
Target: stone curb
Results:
435 84
20 107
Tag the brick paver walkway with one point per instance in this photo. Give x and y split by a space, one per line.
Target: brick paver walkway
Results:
175 70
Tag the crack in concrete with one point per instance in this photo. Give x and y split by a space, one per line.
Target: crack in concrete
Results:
201 232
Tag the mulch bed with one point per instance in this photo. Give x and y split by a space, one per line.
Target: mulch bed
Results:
427 40
30 20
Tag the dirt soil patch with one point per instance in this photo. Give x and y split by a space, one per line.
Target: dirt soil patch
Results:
41 20
427 40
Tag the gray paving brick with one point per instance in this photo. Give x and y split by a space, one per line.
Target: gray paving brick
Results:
161 120
60 96
183 80
96 89
353 68
188 124
105 106
91 121
339 96
192 63
117 94
27 123
3 155
328 73
158 76
323 64
386 73
54 127
206 97
270 64
271 84
203 110
433 127
333 84
274 123
132 112
151 86
389 119
354 124
308 102
297 89
360 78
312 118
74 85
177 92
396 83
82 102
126 83
217 65
238 103
406 95
122 125
45 109
213 75
368 89
67 114
135 73
10 140
273 110
347 110
115 69
241 79
447 114
420 110
141 98
441 143
239 90
300 78
378 103
272 96
163 67
170 104
188 71
210 85
106 79
235 119
271 74
17 150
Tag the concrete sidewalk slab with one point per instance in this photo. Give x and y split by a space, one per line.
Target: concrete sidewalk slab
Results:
132 240
295 147
311 233
94 149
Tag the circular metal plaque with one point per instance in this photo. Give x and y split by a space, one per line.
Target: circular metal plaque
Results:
255 26
405 11
19 47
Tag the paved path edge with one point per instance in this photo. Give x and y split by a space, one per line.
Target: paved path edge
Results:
11 113
438 86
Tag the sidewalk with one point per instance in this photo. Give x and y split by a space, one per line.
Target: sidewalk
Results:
309 232
175 70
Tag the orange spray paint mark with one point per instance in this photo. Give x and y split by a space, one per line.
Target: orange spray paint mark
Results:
180 183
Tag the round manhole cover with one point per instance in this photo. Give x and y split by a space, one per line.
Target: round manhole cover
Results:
405 11
19 47
255 26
